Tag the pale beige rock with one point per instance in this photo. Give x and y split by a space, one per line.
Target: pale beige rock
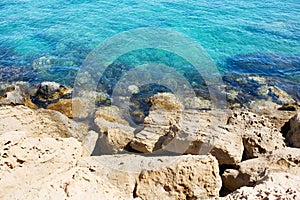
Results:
293 135
259 135
189 177
159 126
190 132
165 101
197 103
273 186
276 114
40 122
17 93
251 171
46 168
115 130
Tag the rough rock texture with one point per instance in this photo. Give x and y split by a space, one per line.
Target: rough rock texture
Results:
46 168
251 171
40 122
278 115
48 92
115 130
63 106
17 93
188 131
273 186
259 135
166 101
293 135
188 178
53 168
159 177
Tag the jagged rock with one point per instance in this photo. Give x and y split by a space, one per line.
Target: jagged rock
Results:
40 122
293 135
89 142
63 106
249 172
273 186
159 126
189 177
189 132
165 101
48 92
259 135
115 130
197 103
35 168
16 94
278 115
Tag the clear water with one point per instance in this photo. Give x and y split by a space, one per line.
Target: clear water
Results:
67 30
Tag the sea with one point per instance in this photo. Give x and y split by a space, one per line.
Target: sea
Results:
49 40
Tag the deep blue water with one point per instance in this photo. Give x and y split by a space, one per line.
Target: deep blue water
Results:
53 37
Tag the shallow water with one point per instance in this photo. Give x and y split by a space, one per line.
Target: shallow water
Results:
52 38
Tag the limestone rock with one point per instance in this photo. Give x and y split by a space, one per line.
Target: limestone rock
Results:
158 177
63 106
197 103
189 177
276 114
16 94
115 130
250 172
259 135
190 132
274 186
293 135
166 101
72 108
35 168
159 126
39 122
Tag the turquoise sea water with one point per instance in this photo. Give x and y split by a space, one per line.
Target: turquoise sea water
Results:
246 36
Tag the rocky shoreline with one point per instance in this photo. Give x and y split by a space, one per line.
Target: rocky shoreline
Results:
173 150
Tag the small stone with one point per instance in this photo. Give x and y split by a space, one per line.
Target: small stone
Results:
133 89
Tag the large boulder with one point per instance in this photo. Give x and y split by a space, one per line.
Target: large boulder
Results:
40 122
189 177
35 168
250 172
159 177
114 129
187 131
17 93
279 185
48 92
259 135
